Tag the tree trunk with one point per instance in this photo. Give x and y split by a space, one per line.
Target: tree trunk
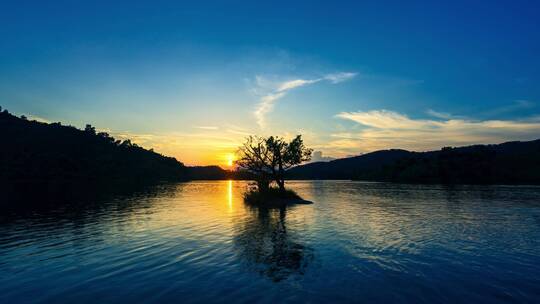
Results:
281 184
281 181
281 177
263 185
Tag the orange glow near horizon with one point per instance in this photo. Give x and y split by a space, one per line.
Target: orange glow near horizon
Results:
230 159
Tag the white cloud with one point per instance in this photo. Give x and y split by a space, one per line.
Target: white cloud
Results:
340 77
386 129
265 106
206 127
383 119
317 156
275 91
288 85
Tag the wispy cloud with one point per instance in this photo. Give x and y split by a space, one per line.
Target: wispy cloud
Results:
387 129
517 105
207 127
237 130
288 85
340 77
273 91
437 114
514 106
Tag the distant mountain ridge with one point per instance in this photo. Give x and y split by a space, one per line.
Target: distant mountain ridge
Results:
506 163
209 173
36 151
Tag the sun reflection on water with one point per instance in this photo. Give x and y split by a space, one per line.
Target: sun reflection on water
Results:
229 195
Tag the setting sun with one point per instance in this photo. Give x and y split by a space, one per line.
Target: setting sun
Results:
230 159
270 151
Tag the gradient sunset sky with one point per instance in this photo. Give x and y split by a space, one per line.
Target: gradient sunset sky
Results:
192 80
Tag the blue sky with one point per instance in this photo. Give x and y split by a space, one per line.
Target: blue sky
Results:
191 80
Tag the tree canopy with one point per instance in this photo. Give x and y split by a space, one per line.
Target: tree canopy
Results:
268 158
41 152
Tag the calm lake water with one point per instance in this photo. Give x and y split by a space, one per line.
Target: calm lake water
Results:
198 242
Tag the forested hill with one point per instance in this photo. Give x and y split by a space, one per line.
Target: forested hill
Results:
35 151
506 163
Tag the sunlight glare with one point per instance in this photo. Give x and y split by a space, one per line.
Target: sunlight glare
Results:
230 160
229 194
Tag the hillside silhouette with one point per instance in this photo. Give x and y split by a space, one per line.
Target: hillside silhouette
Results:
34 151
506 163
209 173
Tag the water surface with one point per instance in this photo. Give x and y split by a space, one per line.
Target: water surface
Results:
198 242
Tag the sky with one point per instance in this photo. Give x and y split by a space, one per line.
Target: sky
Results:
192 80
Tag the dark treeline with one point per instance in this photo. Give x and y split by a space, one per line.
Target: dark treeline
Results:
507 163
33 151
38 157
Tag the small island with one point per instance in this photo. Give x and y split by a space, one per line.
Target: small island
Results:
266 160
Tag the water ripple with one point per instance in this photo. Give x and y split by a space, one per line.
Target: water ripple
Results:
197 242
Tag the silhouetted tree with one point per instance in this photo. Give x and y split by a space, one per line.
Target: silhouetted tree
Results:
268 158
286 155
255 158
126 143
90 129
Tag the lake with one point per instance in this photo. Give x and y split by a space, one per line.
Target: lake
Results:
198 242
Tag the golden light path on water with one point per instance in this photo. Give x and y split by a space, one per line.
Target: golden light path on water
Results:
229 195
203 240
